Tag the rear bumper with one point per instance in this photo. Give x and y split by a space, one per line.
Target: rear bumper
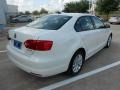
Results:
34 65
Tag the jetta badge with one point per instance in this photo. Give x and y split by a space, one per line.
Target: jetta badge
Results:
15 35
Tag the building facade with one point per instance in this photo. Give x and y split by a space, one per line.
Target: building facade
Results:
3 8
6 11
12 10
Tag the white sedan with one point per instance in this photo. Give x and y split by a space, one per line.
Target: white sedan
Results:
58 43
22 18
114 20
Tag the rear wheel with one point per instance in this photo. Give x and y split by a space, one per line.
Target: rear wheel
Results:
76 63
109 41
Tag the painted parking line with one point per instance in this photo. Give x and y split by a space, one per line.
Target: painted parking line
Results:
79 77
3 51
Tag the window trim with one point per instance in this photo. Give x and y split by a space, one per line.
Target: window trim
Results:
80 24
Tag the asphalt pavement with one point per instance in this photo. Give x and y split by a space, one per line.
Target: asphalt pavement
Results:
13 78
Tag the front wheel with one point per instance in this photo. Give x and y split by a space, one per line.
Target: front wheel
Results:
109 41
76 64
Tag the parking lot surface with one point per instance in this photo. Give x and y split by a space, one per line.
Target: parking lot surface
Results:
12 78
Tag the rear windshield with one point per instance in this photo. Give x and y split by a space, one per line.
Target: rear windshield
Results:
50 22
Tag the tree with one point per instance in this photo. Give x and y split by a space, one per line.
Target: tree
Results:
27 13
77 7
35 12
43 11
107 6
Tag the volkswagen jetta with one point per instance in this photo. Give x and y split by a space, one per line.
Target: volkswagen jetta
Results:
58 43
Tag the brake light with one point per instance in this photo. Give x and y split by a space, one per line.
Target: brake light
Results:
39 45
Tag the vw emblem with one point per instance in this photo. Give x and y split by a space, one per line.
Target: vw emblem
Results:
15 35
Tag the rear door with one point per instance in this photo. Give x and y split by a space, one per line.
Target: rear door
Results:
102 35
87 33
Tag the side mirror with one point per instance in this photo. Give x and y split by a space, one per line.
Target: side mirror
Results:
107 25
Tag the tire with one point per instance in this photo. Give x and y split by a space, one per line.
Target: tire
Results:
109 41
76 64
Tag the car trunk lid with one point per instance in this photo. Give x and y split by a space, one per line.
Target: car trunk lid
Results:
20 35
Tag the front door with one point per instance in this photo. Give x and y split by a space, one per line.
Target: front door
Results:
102 32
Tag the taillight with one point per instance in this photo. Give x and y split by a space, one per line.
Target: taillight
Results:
39 45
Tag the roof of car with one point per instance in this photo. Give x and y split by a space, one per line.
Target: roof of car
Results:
75 14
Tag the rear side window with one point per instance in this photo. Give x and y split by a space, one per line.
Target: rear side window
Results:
98 23
50 22
78 26
84 24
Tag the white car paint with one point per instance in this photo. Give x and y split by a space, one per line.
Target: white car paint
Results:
66 41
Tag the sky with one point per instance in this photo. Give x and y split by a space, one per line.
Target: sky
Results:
31 5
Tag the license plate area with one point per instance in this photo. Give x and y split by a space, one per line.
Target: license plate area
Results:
17 44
